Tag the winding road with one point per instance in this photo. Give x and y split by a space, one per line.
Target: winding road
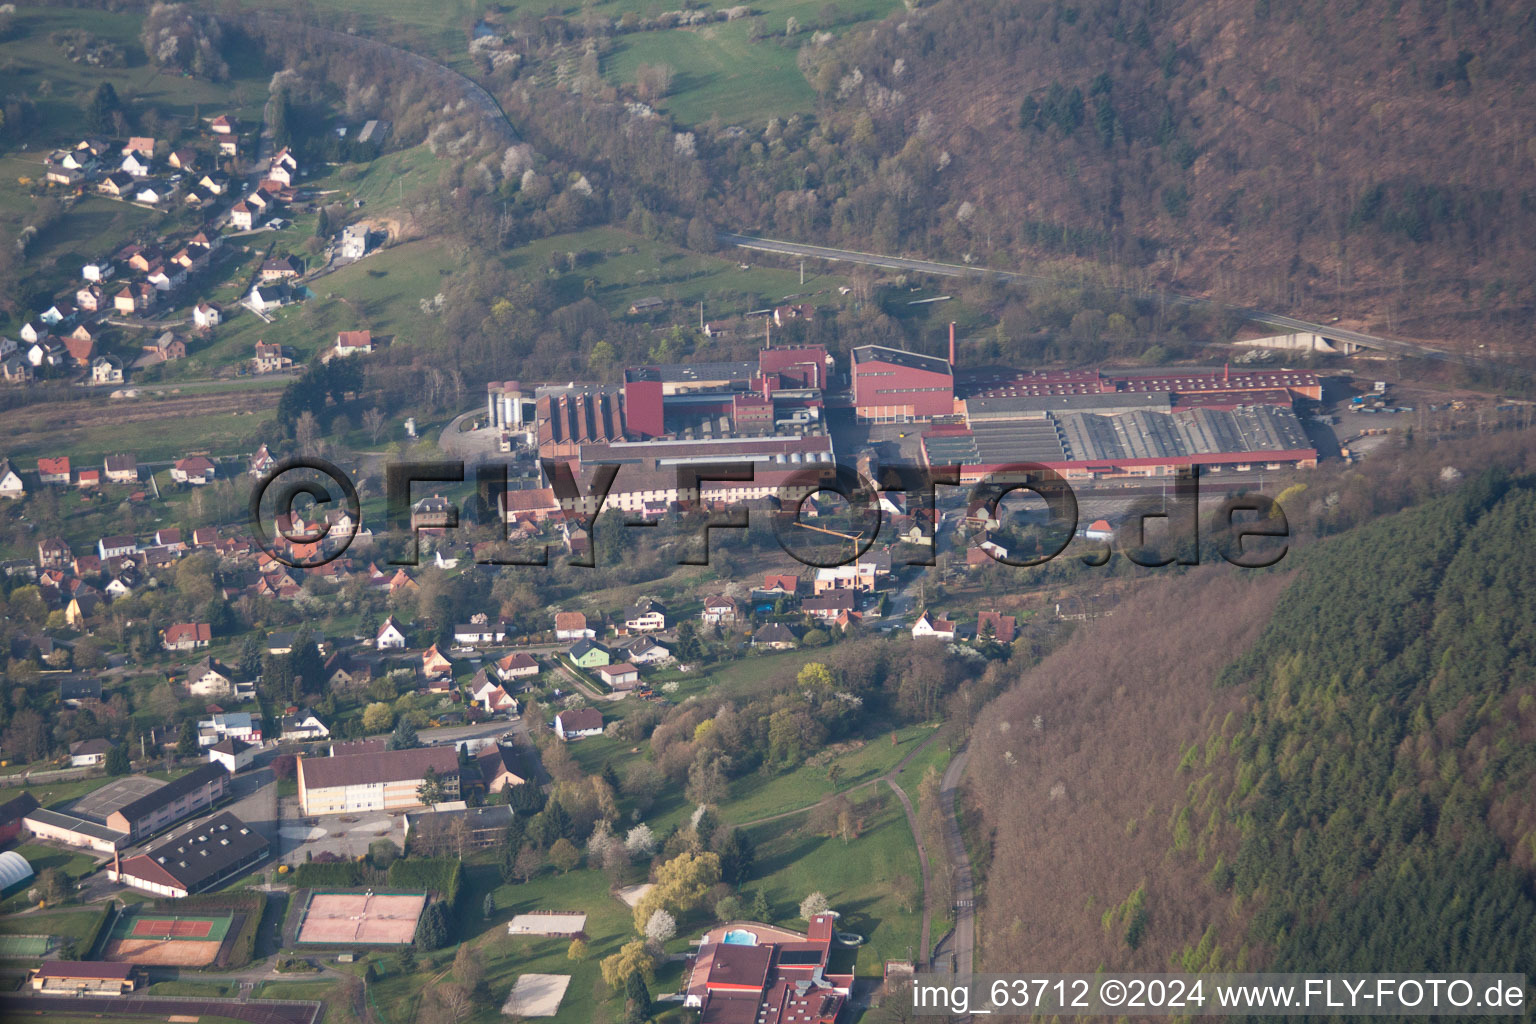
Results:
1276 320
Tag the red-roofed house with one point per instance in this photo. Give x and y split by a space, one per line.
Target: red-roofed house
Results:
186 636
195 470
53 471
354 342
1002 626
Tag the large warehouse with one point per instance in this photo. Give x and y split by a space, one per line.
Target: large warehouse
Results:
383 780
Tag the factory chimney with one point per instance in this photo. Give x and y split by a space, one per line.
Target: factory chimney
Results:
951 346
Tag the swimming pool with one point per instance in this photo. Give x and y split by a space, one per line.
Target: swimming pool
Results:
739 937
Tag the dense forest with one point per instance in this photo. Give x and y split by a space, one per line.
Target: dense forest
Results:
1337 763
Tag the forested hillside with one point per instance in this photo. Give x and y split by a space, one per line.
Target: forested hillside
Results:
1372 160
1355 789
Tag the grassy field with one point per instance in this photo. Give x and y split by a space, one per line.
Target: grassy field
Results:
857 878
624 267
68 925
720 71
72 863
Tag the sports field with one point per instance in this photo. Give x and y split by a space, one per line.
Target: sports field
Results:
182 940
23 945
377 919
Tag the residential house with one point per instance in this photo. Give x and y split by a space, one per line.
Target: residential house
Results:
141 145
78 693
775 636
183 159
90 298
88 753
588 654
645 616
470 633
304 724
137 165
242 725
261 462
106 370
828 606
1002 627
54 553
490 695
113 547
222 125
125 302
778 584
270 358
281 268
643 650
186 636
89 478
14 369
501 767
118 183
434 665
783 315
231 754
265 297
572 626
573 725
620 677
11 485
195 470
153 193
354 343
206 315
389 637
518 665
98 271
354 241
933 627
719 610
82 352
243 217
122 469
210 678
165 348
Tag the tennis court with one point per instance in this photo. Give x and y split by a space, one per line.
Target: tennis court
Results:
380 919
182 940
23 945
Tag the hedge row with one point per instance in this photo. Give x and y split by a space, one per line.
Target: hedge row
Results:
86 948
441 875
341 874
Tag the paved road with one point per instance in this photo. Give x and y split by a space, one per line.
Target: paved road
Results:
1277 320
962 941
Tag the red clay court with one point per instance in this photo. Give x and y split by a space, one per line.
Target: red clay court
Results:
173 929
379 919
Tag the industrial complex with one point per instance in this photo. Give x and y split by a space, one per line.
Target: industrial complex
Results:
773 413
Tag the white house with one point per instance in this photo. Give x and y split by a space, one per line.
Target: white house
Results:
88 753
10 482
305 725
933 627
209 678
389 636
196 470
206 315
573 725
472 633
240 725
646 616
232 754
573 626
106 370
518 665
138 165
645 651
